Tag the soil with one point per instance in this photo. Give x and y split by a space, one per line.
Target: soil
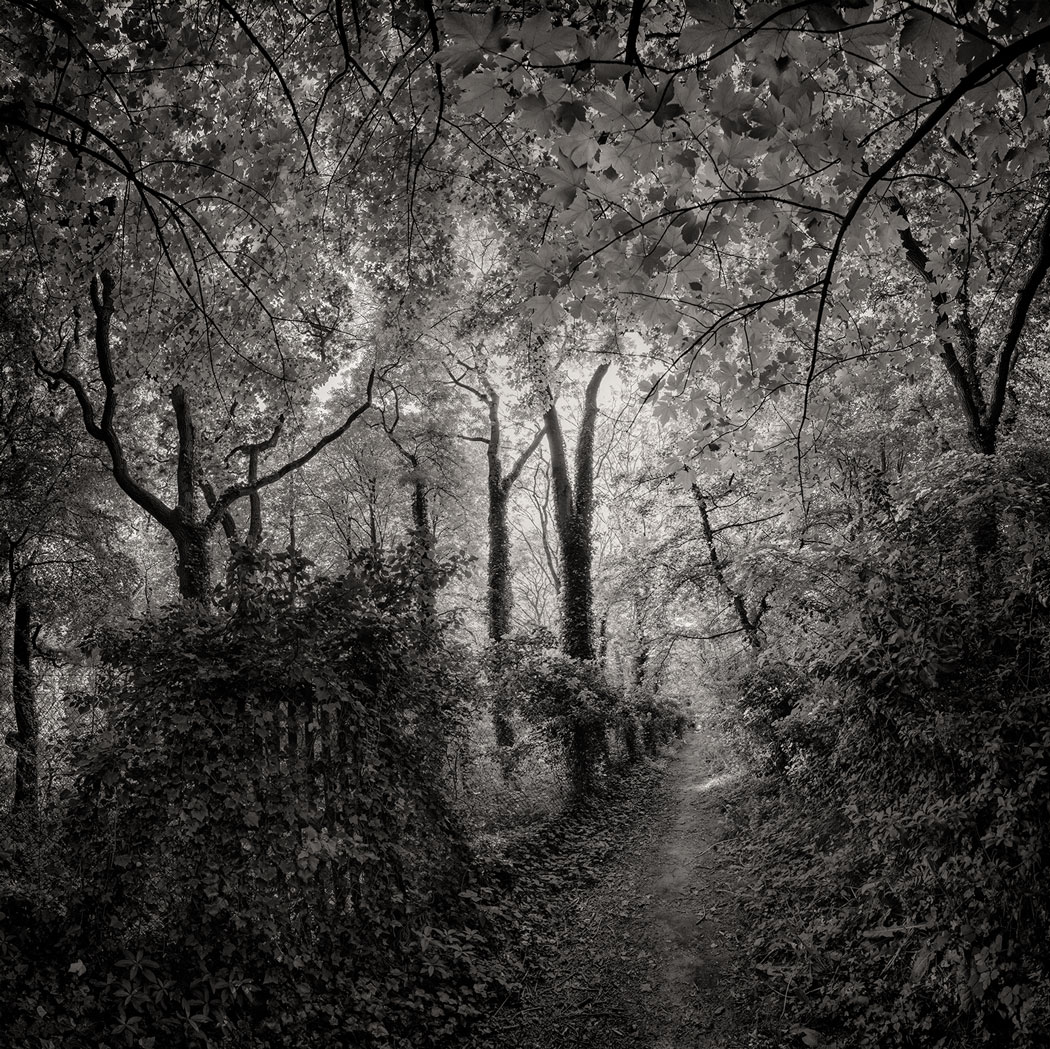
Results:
651 955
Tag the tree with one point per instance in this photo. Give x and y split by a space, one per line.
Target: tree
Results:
732 178
748 620
573 514
499 594
59 566
218 281
185 521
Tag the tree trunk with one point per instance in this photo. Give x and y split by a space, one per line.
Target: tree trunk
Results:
500 596
423 542
193 565
190 532
748 623
574 506
499 592
576 594
7 634
27 737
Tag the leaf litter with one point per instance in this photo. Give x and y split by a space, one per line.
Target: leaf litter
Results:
632 941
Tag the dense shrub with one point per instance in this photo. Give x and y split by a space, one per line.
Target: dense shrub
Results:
577 708
257 847
911 727
567 698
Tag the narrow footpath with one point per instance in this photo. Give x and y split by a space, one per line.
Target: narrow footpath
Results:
650 956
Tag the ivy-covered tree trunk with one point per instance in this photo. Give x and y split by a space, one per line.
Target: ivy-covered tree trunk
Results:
499 596
576 592
191 534
574 510
423 542
193 561
26 738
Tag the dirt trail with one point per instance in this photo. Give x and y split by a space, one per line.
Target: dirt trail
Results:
650 956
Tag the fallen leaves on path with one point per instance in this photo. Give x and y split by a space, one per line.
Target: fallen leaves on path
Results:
639 943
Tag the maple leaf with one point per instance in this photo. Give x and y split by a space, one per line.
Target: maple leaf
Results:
480 94
473 38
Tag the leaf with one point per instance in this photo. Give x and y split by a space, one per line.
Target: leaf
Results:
473 37
921 966
481 94
542 41
915 26
825 19
715 29
534 113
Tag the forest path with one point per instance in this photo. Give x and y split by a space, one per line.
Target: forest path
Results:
650 955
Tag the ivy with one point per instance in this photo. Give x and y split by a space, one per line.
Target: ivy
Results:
903 888
256 845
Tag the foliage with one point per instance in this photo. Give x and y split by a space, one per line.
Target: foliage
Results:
912 735
577 707
568 698
742 177
257 847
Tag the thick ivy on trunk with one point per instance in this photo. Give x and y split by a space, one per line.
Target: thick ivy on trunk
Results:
573 515
499 594
193 564
423 542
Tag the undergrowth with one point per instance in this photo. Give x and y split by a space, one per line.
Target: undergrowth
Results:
258 846
902 846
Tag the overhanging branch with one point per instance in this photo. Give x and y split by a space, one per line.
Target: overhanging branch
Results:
239 491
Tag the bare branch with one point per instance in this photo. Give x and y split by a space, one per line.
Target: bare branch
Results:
519 464
1018 319
238 491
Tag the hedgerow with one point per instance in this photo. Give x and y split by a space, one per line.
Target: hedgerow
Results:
256 848
905 899
577 708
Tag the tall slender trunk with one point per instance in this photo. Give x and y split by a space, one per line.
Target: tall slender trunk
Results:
574 513
423 544
641 647
573 516
192 535
499 597
749 622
